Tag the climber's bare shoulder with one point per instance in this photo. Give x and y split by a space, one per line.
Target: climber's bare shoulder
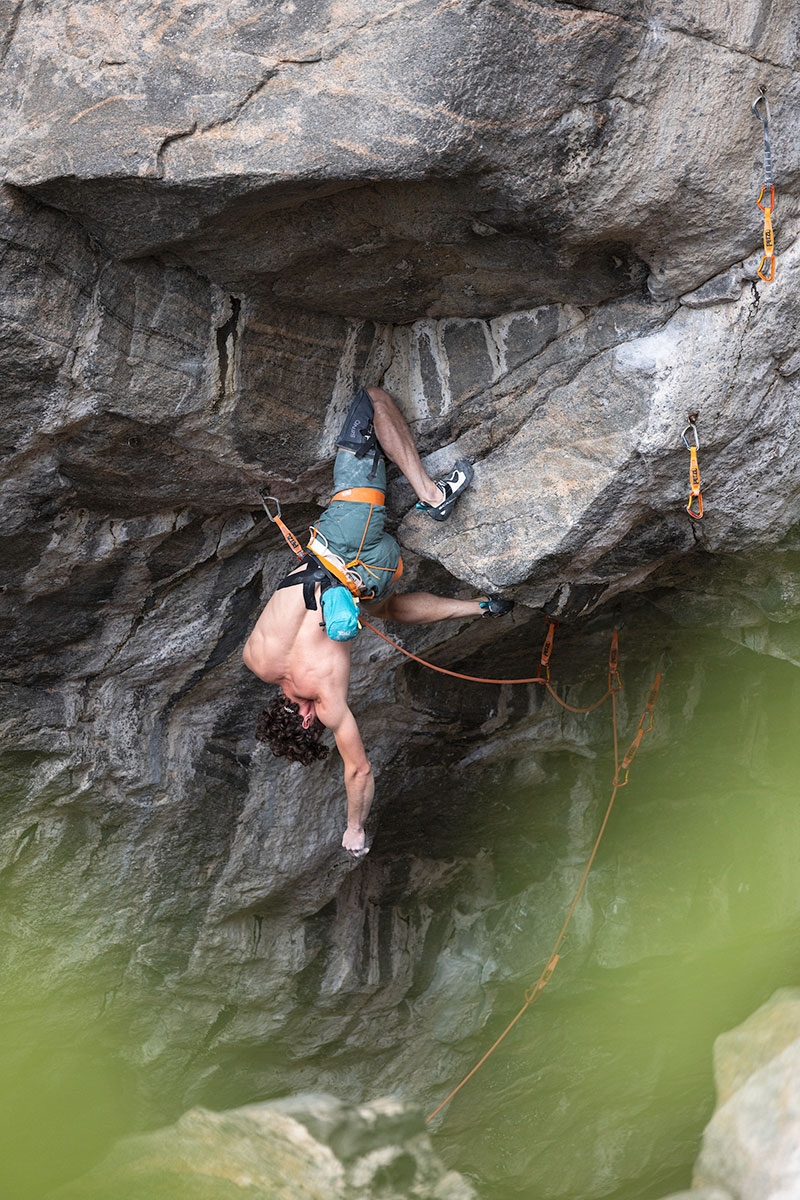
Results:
289 646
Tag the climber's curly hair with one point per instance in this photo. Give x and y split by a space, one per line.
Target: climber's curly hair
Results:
281 727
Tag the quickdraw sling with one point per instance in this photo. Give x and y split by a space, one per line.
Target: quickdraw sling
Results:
766 197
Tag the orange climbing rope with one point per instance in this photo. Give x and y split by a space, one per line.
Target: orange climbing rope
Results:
614 682
620 780
614 685
532 994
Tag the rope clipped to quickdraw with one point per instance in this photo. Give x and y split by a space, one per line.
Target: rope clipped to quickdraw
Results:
766 197
547 649
613 687
646 721
532 993
695 506
614 681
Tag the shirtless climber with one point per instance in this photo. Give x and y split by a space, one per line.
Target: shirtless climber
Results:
289 646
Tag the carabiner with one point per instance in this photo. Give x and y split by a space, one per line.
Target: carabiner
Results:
766 187
695 496
762 97
277 504
766 270
693 428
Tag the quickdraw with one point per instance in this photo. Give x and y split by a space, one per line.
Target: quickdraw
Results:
317 547
696 496
766 270
547 650
646 721
543 980
290 539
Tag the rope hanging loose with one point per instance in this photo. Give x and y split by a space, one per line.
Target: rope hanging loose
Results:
620 780
532 994
695 506
766 270
621 769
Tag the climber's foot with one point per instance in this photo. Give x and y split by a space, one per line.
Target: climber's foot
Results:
451 487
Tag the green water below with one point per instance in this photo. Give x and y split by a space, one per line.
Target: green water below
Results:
605 1085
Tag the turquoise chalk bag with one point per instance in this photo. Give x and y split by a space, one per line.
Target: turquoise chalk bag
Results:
340 613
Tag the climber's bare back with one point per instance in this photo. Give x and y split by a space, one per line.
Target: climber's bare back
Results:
289 647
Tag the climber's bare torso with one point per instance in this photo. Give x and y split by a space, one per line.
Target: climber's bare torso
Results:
290 647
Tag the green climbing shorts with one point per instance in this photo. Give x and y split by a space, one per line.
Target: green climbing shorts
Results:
354 530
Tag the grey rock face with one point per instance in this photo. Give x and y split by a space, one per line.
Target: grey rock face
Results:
536 225
396 162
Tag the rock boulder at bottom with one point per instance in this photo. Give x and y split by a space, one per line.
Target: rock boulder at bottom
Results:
751 1145
310 1147
700 1194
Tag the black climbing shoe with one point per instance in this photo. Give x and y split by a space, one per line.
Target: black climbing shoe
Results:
358 432
496 606
451 487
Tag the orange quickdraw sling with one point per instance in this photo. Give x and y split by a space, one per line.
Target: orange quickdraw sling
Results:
766 269
695 505
277 519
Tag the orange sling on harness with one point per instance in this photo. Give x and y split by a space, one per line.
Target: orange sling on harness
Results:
318 547
361 496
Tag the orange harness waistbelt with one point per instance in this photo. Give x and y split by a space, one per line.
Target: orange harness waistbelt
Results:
361 495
